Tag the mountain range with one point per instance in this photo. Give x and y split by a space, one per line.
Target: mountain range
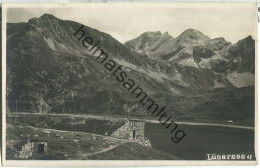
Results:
197 78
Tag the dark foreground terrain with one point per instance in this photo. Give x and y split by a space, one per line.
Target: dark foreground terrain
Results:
87 138
65 142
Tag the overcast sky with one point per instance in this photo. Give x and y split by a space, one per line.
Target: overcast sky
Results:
127 21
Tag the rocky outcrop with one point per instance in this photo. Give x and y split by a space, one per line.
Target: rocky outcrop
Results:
123 132
27 151
146 143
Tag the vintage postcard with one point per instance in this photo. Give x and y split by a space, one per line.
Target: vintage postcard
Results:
129 84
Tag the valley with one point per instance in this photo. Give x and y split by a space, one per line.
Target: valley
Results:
60 98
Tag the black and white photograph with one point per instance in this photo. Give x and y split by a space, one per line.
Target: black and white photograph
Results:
143 83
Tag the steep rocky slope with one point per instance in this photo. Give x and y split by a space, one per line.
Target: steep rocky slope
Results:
48 70
194 49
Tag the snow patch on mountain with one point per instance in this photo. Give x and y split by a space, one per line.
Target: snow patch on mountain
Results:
241 79
188 62
155 75
50 43
128 65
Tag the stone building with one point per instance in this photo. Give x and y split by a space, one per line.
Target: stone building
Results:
132 129
32 148
40 147
136 128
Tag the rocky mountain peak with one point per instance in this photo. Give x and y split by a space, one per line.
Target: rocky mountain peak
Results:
192 34
220 39
48 17
166 34
143 42
247 42
44 19
248 39
151 35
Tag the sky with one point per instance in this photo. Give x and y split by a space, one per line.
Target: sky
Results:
127 21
